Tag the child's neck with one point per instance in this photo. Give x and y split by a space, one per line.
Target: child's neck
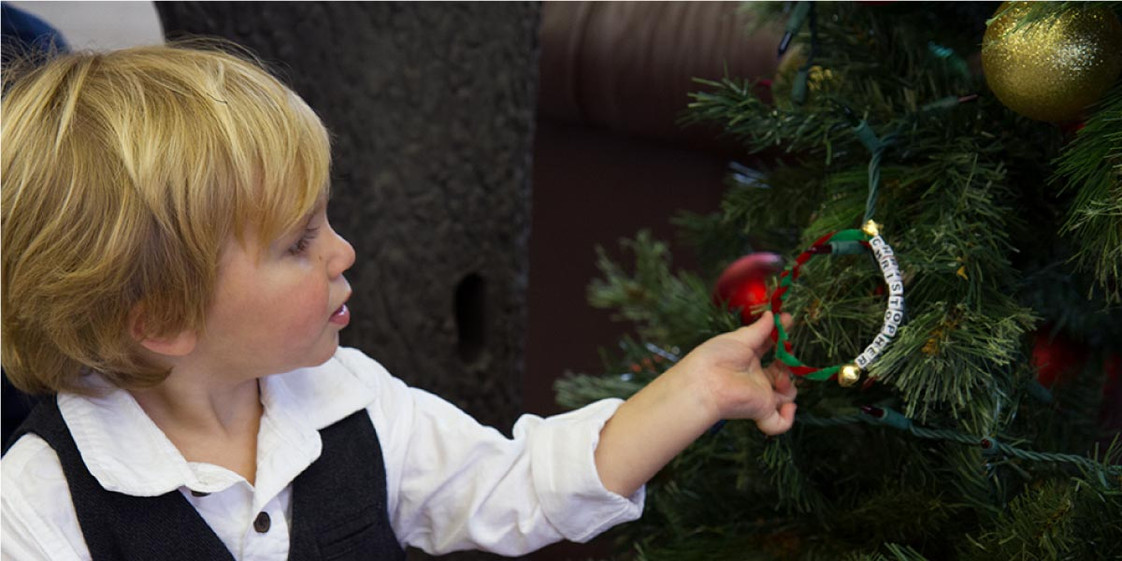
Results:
208 423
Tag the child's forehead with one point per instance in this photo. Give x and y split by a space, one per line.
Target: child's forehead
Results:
318 206
269 229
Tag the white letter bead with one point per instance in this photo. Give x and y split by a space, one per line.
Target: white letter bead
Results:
896 289
870 355
896 303
880 342
893 316
861 361
889 330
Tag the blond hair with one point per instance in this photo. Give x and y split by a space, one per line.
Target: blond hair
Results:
123 175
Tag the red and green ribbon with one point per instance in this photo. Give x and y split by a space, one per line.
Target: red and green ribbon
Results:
779 335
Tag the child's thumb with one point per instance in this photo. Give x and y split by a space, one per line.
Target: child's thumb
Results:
757 335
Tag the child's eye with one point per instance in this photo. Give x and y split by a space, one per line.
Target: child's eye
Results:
305 240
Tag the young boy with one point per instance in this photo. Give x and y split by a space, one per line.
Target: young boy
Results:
172 284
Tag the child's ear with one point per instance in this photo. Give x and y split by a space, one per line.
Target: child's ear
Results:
176 344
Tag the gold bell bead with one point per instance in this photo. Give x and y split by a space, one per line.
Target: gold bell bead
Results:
848 375
871 228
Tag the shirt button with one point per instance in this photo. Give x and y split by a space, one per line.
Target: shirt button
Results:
262 523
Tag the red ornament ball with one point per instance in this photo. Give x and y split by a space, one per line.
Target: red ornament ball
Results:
1056 358
743 284
1110 413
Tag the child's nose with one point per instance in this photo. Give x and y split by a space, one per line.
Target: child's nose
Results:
343 255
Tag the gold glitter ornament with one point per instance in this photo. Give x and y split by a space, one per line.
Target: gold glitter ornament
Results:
1051 69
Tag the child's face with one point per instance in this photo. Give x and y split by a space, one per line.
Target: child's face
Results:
280 306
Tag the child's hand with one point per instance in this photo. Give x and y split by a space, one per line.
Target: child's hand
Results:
728 367
720 379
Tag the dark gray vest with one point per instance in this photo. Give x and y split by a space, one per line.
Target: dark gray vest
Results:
339 508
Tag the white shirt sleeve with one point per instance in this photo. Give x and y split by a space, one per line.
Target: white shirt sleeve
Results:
38 519
454 484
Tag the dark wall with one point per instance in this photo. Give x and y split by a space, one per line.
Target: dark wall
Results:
431 108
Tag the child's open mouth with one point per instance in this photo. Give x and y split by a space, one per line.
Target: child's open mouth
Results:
342 316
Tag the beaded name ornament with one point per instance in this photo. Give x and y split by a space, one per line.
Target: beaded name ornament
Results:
844 241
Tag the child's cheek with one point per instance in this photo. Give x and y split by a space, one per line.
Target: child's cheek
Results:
308 308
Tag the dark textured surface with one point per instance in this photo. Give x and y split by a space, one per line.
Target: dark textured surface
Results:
431 109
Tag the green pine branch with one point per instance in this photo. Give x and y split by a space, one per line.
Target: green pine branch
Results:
1092 166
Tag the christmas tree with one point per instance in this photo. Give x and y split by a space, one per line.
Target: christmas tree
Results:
944 183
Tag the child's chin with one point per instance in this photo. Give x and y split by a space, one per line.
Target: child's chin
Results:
326 354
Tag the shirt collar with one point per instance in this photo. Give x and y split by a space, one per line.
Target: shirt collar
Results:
127 453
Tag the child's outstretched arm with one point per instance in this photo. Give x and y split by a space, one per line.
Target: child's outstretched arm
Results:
720 379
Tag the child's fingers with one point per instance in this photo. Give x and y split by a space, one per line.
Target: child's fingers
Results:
781 380
784 318
757 335
780 420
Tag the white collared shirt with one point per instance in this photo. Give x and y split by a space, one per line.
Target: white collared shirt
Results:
452 483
